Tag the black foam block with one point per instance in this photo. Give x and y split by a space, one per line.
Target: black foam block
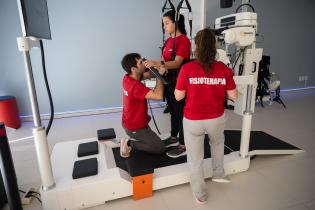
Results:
90 148
105 134
84 168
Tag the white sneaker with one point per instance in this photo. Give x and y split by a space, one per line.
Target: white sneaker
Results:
201 201
224 179
124 148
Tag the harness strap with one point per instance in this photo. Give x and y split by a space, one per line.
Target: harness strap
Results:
177 15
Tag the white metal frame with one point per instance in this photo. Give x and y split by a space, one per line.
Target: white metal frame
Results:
112 182
25 44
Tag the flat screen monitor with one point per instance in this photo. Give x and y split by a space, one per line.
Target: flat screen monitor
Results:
34 18
226 3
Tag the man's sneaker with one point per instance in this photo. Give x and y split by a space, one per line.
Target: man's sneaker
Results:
224 179
171 142
176 152
124 148
201 201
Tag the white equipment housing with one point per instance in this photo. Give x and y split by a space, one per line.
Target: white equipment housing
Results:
240 29
112 182
251 62
241 37
237 20
223 57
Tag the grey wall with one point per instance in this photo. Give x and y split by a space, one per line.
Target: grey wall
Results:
288 28
89 39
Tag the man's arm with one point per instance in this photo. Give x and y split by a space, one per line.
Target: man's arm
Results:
157 92
147 75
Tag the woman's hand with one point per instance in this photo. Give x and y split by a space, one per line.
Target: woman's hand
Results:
152 63
162 70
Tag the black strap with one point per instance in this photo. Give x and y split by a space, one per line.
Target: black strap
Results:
171 5
242 5
177 15
179 7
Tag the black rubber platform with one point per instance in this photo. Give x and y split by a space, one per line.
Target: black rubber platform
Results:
259 140
141 163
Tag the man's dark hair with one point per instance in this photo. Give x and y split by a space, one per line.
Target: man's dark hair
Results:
130 61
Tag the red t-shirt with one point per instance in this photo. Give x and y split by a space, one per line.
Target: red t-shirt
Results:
205 92
182 47
135 109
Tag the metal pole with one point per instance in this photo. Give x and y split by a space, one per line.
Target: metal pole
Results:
31 89
246 125
8 172
40 137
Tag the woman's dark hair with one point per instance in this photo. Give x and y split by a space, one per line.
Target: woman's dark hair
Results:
206 50
181 21
130 61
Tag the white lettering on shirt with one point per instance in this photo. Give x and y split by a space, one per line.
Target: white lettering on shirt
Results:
207 81
125 92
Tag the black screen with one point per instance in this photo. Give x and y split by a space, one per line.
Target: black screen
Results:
226 3
36 20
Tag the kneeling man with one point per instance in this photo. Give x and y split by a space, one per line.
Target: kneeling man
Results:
135 117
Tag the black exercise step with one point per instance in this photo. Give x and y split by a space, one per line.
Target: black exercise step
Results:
106 134
84 168
89 148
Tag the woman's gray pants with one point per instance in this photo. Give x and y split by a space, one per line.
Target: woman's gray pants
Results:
194 134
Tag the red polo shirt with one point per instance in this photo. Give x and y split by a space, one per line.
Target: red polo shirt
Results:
205 92
135 109
182 47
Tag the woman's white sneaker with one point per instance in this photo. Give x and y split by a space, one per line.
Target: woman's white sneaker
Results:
224 179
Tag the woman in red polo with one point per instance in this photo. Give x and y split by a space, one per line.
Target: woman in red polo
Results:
205 83
173 57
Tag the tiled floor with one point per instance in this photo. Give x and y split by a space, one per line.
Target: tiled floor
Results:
272 182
